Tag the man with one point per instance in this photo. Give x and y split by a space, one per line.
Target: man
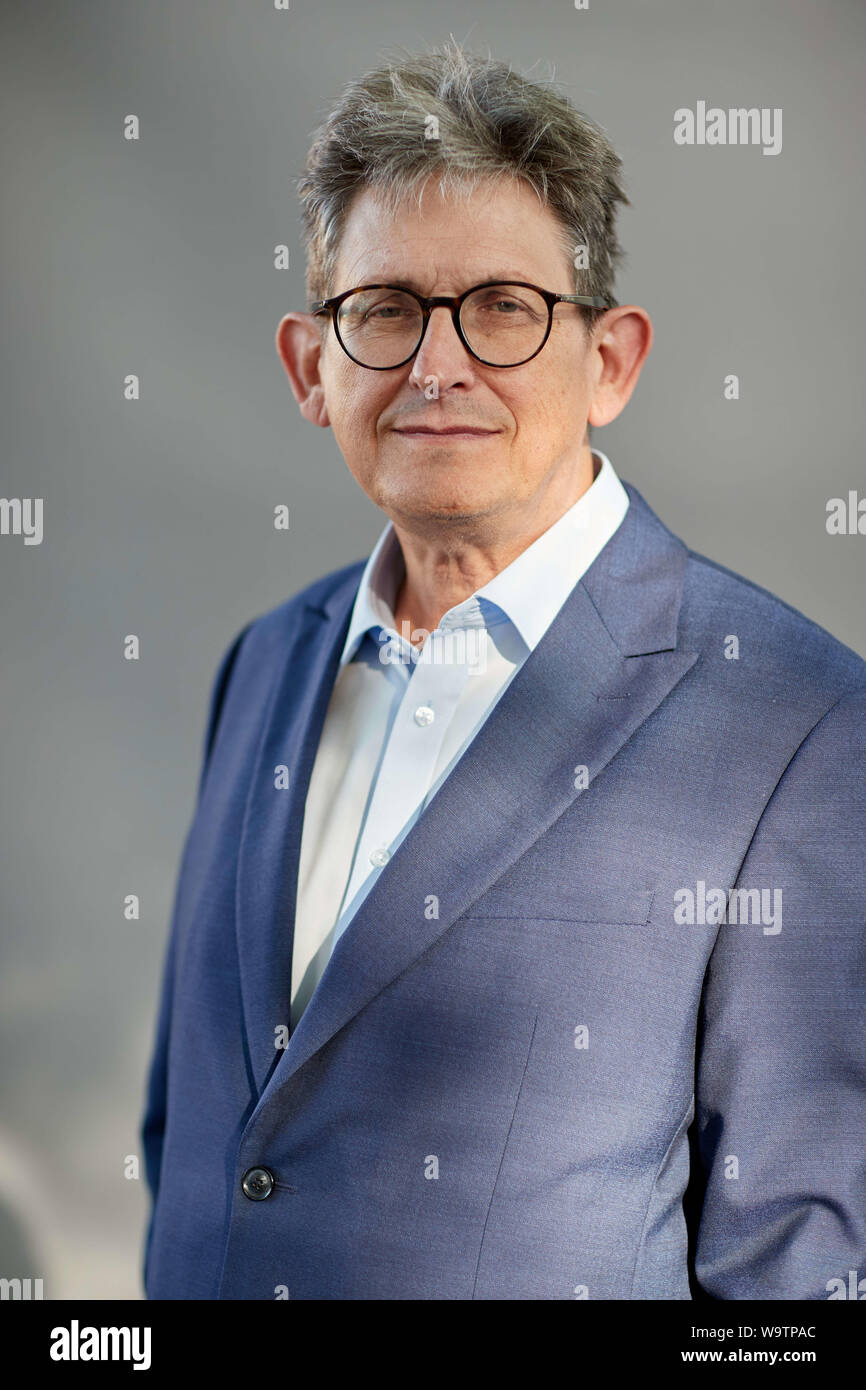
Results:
518 943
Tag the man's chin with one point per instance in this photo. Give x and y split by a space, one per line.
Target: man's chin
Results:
439 507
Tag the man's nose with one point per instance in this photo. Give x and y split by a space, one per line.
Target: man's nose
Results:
442 354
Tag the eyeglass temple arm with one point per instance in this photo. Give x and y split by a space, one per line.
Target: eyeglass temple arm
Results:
592 300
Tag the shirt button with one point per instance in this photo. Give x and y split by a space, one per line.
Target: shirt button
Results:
424 715
257 1184
379 857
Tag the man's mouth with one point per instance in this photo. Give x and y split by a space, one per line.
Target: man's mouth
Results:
448 431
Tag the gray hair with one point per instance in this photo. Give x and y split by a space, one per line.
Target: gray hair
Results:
489 122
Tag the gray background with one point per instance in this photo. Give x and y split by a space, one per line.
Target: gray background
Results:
157 258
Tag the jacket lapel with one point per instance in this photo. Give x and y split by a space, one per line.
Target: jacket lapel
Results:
269 852
605 664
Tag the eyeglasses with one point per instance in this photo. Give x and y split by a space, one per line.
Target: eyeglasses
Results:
501 323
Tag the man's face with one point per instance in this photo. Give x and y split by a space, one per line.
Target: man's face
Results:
535 414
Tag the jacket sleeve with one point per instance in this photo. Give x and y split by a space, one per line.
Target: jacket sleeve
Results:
153 1122
781 1061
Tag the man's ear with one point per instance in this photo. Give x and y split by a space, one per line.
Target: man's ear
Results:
299 344
623 338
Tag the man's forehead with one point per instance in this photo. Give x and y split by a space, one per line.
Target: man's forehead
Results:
465 240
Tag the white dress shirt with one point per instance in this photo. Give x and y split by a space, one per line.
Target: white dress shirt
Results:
399 719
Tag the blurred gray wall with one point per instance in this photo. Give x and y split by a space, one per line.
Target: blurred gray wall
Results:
156 258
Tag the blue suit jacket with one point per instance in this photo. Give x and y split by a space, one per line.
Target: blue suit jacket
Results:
521 1076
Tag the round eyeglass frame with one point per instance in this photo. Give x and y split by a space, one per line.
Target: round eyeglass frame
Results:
455 304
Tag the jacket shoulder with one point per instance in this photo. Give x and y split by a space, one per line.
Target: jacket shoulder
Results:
260 643
787 650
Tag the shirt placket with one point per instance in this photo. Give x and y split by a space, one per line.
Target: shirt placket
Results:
433 689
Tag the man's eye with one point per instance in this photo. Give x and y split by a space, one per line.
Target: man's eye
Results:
502 306
386 310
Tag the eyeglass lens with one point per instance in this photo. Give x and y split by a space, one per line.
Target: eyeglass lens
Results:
503 324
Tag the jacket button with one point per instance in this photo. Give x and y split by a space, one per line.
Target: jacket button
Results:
257 1184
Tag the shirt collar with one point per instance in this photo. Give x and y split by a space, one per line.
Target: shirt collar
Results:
529 592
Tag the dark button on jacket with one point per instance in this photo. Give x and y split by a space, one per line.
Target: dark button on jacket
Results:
258 1183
